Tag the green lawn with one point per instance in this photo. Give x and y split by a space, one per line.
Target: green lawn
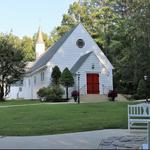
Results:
62 118
18 102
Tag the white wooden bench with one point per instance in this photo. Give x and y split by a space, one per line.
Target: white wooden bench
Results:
138 116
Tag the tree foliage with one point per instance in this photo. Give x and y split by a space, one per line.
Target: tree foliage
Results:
11 63
52 93
28 48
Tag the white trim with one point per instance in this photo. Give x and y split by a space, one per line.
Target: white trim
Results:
34 72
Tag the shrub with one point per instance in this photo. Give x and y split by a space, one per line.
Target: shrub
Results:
112 94
52 93
75 95
136 97
141 90
42 93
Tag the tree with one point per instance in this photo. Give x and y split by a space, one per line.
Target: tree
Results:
67 80
12 63
28 48
132 33
56 74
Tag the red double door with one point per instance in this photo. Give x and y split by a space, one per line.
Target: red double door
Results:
92 83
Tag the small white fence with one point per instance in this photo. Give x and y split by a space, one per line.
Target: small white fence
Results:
138 116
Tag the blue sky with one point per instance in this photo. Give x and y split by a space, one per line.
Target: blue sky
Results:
24 16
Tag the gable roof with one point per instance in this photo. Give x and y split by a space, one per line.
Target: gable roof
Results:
79 63
51 51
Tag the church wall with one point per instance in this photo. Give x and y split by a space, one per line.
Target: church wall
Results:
69 53
87 68
15 92
104 79
30 91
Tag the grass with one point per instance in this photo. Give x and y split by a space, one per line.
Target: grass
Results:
62 118
18 102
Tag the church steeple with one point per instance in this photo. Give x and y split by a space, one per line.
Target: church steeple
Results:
40 36
40 45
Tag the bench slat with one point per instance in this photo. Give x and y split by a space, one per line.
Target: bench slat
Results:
139 120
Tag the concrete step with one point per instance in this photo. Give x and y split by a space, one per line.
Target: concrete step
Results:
99 98
93 98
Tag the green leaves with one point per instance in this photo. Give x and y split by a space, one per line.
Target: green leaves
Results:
12 63
67 78
56 74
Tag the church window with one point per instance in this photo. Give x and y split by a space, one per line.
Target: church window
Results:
80 43
42 76
24 83
34 79
29 82
20 89
21 82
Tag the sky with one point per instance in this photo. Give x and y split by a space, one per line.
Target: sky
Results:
23 17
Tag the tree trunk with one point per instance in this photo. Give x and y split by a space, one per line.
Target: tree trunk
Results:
2 93
67 92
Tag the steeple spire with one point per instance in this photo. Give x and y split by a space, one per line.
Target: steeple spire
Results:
40 45
40 36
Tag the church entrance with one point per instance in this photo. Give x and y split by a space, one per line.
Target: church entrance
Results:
92 83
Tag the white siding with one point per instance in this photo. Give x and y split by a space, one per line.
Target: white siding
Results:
30 92
69 53
15 93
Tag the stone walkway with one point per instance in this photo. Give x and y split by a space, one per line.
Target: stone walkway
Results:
123 142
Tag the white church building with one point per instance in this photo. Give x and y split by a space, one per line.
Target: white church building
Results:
75 50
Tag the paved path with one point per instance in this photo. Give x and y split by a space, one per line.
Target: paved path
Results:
80 140
44 103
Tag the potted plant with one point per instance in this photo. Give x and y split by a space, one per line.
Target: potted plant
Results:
112 94
75 95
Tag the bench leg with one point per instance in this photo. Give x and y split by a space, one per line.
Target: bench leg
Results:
128 126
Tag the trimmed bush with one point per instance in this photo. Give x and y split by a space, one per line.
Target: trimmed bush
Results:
42 93
51 94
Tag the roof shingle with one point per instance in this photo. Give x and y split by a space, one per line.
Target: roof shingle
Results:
79 63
